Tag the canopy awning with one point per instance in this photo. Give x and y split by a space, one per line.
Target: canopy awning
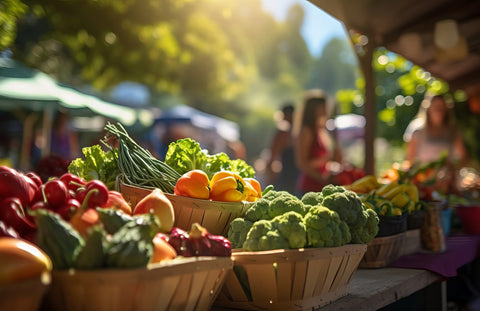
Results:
23 87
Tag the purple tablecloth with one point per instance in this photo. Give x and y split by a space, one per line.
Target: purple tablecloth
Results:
461 249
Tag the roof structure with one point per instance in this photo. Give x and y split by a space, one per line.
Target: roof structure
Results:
412 28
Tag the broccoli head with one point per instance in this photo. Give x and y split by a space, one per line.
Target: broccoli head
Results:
291 226
348 205
366 233
329 189
258 210
286 203
237 233
263 236
273 194
325 228
312 198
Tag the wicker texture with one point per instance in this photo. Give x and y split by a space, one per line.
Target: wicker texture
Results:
291 279
383 251
180 284
213 215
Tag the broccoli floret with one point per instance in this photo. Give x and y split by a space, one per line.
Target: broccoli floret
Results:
237 233
325 228
273 194
258 210
348 205
263 236
366 233
291 226
312 198
283 204
330 189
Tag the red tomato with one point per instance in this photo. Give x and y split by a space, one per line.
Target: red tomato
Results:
56 193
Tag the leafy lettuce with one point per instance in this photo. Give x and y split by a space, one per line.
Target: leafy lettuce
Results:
97 164
186 154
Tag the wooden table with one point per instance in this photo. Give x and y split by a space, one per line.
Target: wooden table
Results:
372 289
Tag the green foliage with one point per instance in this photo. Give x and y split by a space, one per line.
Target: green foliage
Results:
10 12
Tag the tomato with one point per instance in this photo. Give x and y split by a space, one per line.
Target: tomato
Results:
56 193
97 193
72 181
21 260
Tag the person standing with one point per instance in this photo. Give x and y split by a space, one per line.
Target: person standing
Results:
315 149
281 167
436 134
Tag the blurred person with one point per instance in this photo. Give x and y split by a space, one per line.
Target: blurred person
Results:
282 171
434 132
316 152
433 135
64 141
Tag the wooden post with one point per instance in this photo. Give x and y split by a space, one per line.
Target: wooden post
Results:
365 61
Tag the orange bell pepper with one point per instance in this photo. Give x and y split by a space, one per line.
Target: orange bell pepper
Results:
193 184
254 189
227 187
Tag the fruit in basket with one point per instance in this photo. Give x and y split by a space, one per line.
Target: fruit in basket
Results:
193 184
364 184
16 184
160 205
254 189
199 242
162 250
228 187
21 260
116 201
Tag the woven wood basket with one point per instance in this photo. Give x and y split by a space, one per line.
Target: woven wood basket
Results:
180 284
289 279
213 215
383 251
25 295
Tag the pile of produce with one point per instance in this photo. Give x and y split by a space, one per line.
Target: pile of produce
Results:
333 217
388 199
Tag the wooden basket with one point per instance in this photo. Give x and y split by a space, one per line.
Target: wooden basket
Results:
213 215
25 295
180 284
412 243
383 251
297 279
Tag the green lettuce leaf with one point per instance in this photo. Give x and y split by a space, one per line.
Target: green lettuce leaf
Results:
96 164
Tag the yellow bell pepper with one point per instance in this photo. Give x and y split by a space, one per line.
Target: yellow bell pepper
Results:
193 184
228 187
254 189
400 200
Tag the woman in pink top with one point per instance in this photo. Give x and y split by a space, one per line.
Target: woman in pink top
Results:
437 135
314 147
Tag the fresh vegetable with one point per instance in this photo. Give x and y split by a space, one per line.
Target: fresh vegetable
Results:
292 227
13 214
263 236
193 184
199 242
258 210
227 187
325 228
186 155
254 189
138 166
72 181
366 233
36 179
21 260
162 250
364 184
96 164
7 231
237 233
16 184
346 203
92 254
55 193
98 193
57 238
132 245
116 201
112 219
286 203
157 203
